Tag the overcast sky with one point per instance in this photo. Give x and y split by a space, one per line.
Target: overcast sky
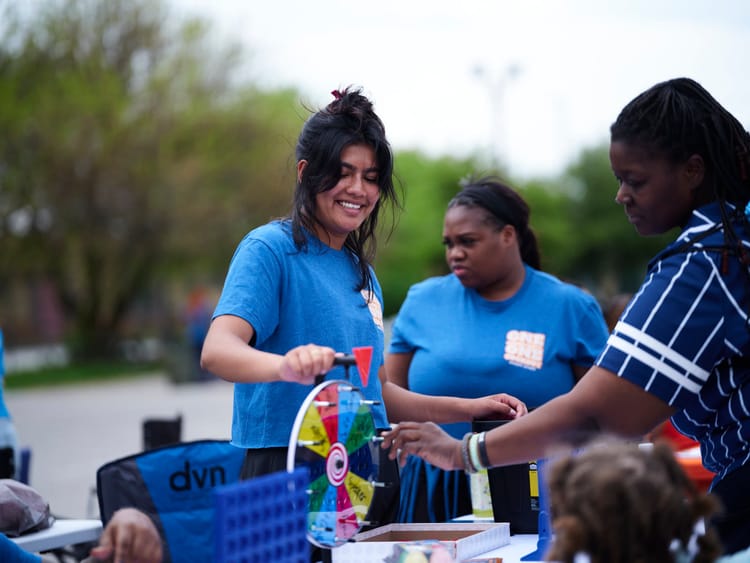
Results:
533 81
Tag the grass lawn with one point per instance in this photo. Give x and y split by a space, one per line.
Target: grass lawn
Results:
79 373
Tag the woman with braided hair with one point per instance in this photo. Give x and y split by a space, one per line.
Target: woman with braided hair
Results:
495 323
681 348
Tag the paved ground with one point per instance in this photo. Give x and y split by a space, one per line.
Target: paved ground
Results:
73 430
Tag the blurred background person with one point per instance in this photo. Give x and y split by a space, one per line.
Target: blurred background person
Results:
9 452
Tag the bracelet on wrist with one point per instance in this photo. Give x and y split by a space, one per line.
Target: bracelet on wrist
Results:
484 458
474 452
465 455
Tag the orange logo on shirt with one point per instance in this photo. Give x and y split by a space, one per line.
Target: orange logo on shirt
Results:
524 348
375 309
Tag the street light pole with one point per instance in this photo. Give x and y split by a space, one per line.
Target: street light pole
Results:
497 85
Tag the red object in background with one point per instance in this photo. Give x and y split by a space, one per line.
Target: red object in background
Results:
695 471
678 441
688 454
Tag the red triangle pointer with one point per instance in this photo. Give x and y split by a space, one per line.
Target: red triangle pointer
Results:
363 355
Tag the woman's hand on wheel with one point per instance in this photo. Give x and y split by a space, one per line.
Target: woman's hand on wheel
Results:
423 439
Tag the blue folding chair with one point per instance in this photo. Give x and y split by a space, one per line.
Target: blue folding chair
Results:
174 485
24 472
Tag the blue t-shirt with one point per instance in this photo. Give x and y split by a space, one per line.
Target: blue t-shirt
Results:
466 346
685 339
11 553
293 297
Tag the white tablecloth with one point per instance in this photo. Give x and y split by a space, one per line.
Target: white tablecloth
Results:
63 532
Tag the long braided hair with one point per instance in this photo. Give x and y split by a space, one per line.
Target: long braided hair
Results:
348 120
679 118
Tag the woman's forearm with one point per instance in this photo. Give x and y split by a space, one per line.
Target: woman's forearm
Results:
600 402
402 404
530 437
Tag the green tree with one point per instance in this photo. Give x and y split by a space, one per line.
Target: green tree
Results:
583 235
555 232
414 250
127 151
609 253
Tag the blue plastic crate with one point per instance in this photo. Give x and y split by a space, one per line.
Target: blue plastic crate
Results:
263 519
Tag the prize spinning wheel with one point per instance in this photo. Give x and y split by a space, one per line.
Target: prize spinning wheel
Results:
334 436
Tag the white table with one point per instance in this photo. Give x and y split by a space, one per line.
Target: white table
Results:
63 532
520 546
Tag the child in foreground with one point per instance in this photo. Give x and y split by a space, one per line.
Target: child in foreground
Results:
616 502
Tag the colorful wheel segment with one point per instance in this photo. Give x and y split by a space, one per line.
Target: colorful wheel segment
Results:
333 435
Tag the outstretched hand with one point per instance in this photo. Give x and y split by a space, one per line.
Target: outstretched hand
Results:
497 407
423 439
129 537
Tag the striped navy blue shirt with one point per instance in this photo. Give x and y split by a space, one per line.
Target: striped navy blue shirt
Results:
685 338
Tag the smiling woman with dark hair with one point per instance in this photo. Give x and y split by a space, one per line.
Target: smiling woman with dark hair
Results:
302 288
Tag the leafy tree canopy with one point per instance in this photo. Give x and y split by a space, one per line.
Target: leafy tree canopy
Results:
127 150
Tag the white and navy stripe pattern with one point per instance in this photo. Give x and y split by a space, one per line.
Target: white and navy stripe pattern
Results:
685 338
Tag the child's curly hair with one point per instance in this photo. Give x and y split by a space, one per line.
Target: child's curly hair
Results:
619 503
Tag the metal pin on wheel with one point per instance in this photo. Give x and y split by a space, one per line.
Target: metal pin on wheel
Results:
319 404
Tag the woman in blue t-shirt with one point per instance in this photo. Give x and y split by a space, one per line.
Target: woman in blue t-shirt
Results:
302 288
496 323
681 348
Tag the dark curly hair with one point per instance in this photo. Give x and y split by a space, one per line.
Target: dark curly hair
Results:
348 120
620 503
